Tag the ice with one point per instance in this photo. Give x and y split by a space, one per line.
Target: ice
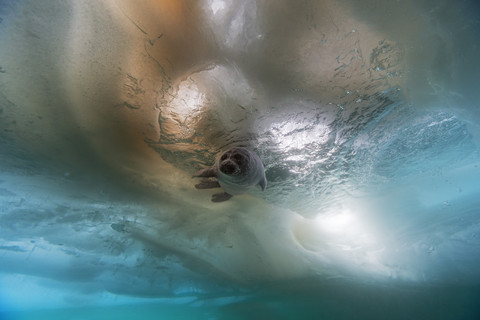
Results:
365 115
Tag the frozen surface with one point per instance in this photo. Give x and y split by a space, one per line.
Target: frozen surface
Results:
366 117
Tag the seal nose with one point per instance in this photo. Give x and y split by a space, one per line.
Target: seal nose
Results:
229 168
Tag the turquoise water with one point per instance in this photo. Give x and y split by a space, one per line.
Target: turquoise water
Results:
365 115
333 301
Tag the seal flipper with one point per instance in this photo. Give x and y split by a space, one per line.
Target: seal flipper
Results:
207 184
206 173
263 183
220 197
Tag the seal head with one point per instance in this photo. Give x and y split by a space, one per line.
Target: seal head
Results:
239 169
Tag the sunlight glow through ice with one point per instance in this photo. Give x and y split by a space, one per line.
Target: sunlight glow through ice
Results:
187 102
217 5
372 169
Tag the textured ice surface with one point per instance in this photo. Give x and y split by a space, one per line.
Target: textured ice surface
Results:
365 114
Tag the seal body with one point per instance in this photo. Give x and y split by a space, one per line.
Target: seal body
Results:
237 170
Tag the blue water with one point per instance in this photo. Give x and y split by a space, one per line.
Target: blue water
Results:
365 115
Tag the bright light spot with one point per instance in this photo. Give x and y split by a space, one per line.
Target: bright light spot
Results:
344 236
217 5
183 112
298 134
345 229
187 100
337 223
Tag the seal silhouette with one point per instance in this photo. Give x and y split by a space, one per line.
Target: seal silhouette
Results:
237 170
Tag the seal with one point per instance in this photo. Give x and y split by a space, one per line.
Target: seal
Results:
237 170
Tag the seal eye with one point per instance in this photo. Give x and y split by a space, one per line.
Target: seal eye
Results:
223 157
239 159
228 168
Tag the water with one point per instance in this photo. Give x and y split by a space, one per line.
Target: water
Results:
365 115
